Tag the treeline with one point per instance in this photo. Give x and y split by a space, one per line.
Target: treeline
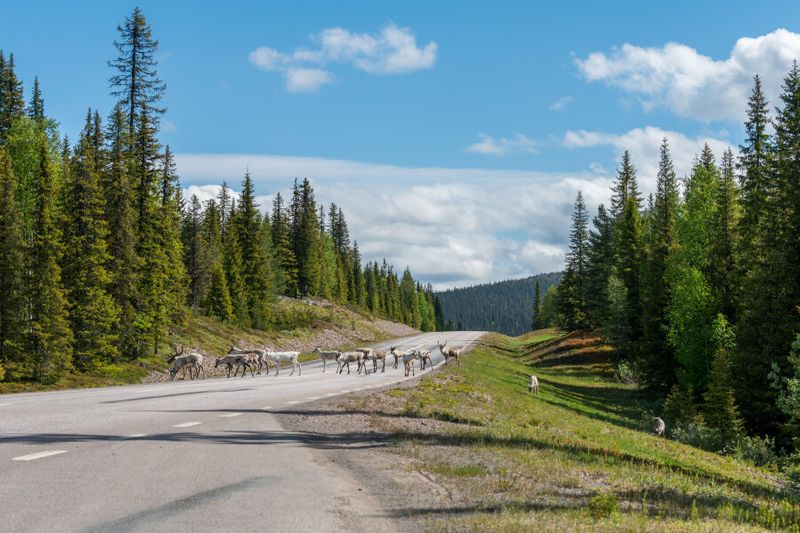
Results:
699 290
238 260
100 255
503 306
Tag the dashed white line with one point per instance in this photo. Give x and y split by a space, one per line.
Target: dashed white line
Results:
187 424
292 403
331 393
40 455
230 415
266 407
313 397
4 404
344 392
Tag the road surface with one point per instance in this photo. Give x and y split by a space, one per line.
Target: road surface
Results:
202 455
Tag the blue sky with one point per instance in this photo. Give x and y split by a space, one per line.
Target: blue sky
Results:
457 151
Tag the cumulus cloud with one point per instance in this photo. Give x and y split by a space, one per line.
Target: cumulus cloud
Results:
644 145
393 50
694 85
561 103
452 226
488 145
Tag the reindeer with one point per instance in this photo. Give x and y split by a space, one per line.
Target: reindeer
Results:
425 358
327 356
255 357
450 353
182 362
395 351
374 356
239 360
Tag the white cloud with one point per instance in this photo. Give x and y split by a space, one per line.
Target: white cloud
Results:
306 79
393 50
644 145
693 85
452 226
561 103
490 146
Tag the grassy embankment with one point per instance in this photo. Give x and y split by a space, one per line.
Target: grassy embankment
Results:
579 456
296 325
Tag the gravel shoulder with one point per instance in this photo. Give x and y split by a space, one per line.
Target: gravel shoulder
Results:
359 433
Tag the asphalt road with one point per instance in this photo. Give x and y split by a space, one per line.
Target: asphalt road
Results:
202 455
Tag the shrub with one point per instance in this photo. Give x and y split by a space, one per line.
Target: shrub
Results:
2 373
628 372
759 451
791 472
698 434
604 505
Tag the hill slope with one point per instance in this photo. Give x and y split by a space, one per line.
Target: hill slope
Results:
578 456
504 306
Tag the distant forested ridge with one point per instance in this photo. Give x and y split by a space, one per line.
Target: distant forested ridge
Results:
102 257
504 306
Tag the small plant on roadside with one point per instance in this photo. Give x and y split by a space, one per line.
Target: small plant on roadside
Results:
604 505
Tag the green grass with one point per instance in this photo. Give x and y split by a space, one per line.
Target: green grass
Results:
579 456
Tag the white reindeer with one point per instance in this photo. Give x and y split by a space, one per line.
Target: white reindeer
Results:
450 353
659 426
533 386
327 356
397 354
182 362
282 357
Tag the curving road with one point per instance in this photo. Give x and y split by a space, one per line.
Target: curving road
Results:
202 455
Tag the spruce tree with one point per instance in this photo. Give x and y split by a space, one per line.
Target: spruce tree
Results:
601 261
193 252
720 410
572 290
306 239
725 237
12 266
255 266
657 354
48 336
36 106
12 100
217 301
282 244
232 264
93 313
537 302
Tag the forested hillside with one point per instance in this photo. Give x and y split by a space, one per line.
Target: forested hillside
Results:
101 257
504 306
698 289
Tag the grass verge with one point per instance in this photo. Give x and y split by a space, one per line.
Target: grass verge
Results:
577 457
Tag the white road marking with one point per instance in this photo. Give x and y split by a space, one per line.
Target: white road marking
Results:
230 415
4 404
291 403
267 407
134 436
344 392
313 398
34 456
331 393
187 424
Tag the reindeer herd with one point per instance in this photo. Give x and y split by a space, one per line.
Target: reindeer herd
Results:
255 360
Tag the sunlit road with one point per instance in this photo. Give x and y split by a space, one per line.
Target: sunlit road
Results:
203 455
